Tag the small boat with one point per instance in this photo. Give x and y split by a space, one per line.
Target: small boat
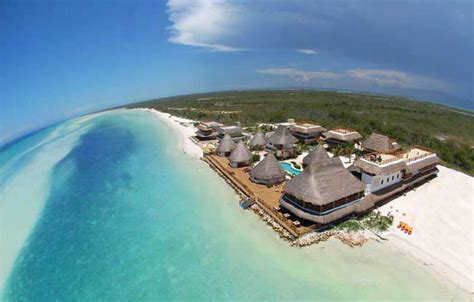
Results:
246 203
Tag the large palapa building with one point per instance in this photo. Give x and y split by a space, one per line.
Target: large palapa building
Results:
324 192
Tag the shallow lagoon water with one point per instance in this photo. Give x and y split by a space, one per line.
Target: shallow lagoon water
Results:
120 213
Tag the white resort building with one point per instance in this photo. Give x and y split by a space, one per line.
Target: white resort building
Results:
307 133
208 130
235 132
380 171
341 136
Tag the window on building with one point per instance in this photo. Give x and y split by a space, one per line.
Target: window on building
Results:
388 179
393 177
381 182
398 175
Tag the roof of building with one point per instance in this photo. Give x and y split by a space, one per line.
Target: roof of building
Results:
268 169
316 155
324 182
232 130
421 163
380 143
211 124
380 169
240 154
258 139
343 134
307 128
226 144
282 136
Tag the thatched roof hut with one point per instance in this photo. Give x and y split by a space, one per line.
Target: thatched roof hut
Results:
240 155
315 156
258 140
282 137
323 183
380 143
268 171
226 146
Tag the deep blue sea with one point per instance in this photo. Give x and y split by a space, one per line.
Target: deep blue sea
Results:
106 207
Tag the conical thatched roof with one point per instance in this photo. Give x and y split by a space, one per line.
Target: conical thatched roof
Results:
324 182
258 140
315 156
282 136
226 145
268 170
240 154
380 143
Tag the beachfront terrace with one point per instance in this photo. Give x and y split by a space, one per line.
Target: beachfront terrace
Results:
381 158
267 198
414 154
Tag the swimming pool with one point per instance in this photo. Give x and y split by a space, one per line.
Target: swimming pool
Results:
289 168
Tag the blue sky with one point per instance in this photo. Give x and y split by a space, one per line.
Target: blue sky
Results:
64 58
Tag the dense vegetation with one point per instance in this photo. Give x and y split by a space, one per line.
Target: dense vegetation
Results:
373 221
448 131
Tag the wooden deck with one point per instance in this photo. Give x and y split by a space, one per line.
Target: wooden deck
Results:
266 198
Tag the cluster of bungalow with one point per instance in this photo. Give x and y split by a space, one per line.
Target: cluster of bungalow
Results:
326 191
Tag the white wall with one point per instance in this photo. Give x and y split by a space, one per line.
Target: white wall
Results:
377 182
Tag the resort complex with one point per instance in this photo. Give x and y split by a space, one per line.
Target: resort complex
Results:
293 176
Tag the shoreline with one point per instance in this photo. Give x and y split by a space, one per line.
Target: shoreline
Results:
186 144
440 263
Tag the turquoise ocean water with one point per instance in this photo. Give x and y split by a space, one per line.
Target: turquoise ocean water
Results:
107 208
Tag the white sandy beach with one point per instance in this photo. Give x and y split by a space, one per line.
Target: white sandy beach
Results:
188 146
441 213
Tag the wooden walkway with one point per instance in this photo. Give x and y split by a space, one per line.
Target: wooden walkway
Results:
266 198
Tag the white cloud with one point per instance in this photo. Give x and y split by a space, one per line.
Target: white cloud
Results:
327 27
382 77
201 23
298 74
308 51
378 77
